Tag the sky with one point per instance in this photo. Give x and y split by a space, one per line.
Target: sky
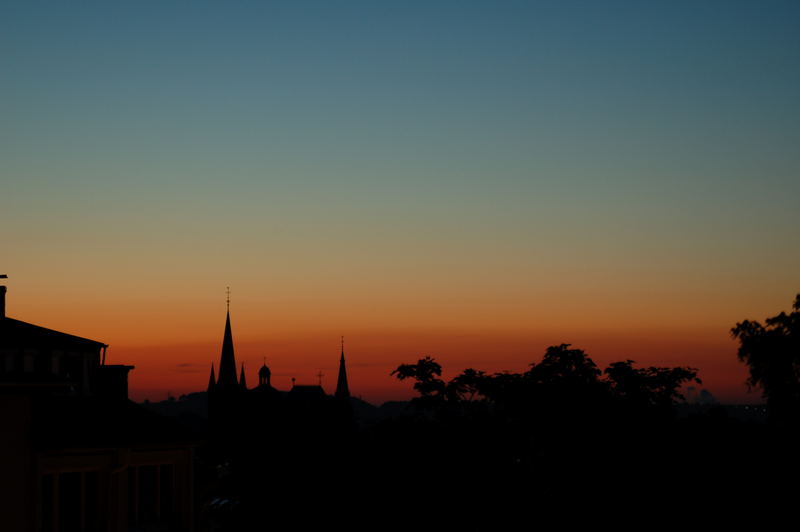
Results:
471 181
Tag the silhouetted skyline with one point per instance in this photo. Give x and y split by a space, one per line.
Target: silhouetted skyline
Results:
79 455
464 180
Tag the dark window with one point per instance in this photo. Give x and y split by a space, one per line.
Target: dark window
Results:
91 500
73 366
46 503
43 363
148 494
69 501
167 492
132 492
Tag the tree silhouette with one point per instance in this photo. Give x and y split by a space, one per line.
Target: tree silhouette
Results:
469 386
426 373
648 387
565 367
772 354
566 382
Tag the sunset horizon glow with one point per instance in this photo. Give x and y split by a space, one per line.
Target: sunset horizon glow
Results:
166 366
468 181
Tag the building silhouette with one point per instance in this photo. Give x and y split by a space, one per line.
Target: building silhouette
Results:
264 416
75 453
277 456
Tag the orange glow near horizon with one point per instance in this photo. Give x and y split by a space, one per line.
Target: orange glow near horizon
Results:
178 369
473 187
173 343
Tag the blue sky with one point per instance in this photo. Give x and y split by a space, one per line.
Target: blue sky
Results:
337 151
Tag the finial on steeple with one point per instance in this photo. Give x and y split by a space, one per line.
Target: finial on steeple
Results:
228 298
342 345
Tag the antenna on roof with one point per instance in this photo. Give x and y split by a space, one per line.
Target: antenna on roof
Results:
3 290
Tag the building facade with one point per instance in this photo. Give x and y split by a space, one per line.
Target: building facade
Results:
76 454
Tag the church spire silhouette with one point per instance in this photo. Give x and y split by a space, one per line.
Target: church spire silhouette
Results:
242 382
227 361
342 390
212 380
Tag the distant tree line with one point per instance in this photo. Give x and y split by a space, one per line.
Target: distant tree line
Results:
566 381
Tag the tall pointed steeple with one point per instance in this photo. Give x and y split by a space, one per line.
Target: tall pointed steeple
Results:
212 380
342 390
227 362
242 382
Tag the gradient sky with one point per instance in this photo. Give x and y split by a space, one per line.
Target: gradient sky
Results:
472 181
